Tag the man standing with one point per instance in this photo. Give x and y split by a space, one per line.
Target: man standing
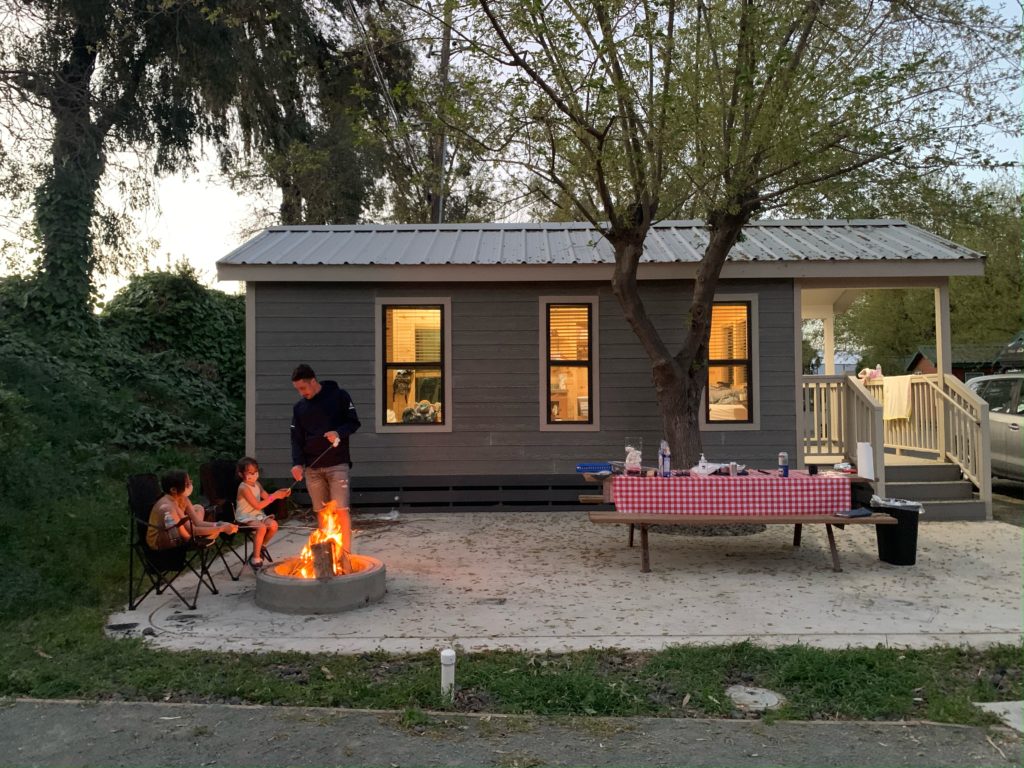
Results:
321 423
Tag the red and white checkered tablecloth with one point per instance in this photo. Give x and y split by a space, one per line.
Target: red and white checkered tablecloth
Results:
754 494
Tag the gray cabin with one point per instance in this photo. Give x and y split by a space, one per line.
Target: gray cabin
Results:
487 360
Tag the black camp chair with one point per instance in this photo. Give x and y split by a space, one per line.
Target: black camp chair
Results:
219 483
156 570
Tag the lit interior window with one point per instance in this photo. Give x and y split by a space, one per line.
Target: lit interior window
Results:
729 365
413 365
569 364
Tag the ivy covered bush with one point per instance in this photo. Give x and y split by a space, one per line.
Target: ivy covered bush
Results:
163 368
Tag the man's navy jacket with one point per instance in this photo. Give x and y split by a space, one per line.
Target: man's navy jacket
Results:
329 410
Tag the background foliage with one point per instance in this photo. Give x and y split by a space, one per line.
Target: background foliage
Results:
888 326
156 381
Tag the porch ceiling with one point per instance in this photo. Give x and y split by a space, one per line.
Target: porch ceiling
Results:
827 302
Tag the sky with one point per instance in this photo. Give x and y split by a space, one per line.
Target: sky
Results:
199 219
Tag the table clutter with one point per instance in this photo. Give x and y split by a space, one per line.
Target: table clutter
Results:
712 493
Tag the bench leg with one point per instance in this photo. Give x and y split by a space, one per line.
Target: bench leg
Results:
832 546
645 556
797 529
631 526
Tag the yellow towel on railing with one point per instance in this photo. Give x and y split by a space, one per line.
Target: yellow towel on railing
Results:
896 397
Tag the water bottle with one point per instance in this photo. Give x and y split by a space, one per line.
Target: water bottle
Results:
664 460
702 465
783 464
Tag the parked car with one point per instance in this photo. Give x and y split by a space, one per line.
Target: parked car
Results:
1004 393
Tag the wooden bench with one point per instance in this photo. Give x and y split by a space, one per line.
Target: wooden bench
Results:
643 522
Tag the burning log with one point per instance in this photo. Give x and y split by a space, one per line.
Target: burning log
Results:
323 559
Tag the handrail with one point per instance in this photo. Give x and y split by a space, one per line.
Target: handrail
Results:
968 439
864 425
947 420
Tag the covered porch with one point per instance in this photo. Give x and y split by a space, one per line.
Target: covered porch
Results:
945 439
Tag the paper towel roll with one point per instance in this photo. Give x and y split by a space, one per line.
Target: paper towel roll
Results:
865 461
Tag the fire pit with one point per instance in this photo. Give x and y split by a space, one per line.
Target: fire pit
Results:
323 578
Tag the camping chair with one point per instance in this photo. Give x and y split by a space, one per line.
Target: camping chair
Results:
219 484
159 568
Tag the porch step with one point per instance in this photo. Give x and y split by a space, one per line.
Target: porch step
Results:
941 488
957 510
921 473
945 490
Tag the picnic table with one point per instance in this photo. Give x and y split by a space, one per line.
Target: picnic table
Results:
759 497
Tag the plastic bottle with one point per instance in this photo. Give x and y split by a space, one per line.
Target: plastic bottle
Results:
664 460
702 465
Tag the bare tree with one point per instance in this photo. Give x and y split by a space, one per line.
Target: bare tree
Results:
630 111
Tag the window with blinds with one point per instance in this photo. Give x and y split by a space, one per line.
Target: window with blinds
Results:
569 363
729 364
413 365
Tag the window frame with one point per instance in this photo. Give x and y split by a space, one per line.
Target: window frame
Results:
381 305
593 405
753 423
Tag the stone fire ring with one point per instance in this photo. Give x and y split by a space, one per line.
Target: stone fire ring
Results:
287 594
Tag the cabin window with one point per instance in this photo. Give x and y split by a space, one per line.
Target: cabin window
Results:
413 361
729 383
569 354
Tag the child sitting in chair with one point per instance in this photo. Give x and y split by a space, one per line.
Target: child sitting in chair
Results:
174 519
249 506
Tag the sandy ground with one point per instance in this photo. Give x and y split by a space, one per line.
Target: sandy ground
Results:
554 581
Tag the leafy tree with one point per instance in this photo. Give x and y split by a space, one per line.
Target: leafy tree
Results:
426 166
890 325
633 110
105 77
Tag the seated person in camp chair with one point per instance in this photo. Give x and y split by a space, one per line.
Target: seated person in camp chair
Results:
174 520
251 501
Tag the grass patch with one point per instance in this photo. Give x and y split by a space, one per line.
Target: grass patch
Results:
68 656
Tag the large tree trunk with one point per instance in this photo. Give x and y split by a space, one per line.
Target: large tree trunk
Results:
66 201
679 379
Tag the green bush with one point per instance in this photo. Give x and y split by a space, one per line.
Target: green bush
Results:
157 381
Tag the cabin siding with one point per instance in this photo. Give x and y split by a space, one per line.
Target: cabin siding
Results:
494 364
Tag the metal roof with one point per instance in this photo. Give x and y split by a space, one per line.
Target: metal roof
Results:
578 243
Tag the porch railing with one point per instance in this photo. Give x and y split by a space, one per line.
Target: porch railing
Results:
968 441
949 423
864 425
824 406
838 414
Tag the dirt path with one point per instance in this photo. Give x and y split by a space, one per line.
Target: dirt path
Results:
51 733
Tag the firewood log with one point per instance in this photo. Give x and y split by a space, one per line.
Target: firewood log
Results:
323 559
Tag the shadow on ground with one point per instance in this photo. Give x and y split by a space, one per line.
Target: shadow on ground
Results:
1008 501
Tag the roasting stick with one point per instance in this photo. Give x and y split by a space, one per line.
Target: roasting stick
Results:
314 461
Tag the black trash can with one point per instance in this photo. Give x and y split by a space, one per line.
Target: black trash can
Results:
897 544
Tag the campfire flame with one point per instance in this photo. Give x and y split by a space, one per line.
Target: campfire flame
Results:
329 530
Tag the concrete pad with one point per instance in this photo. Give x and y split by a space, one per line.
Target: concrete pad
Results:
1010 712
554 581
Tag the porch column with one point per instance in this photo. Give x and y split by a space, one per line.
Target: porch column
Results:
943 349
944 359
829 334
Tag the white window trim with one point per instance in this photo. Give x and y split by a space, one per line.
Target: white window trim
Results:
542 389
755 372
378 364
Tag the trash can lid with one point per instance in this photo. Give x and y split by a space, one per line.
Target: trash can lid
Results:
890 503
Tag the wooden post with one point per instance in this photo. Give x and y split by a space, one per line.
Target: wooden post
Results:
323 559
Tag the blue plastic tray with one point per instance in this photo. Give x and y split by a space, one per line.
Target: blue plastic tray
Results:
594 467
